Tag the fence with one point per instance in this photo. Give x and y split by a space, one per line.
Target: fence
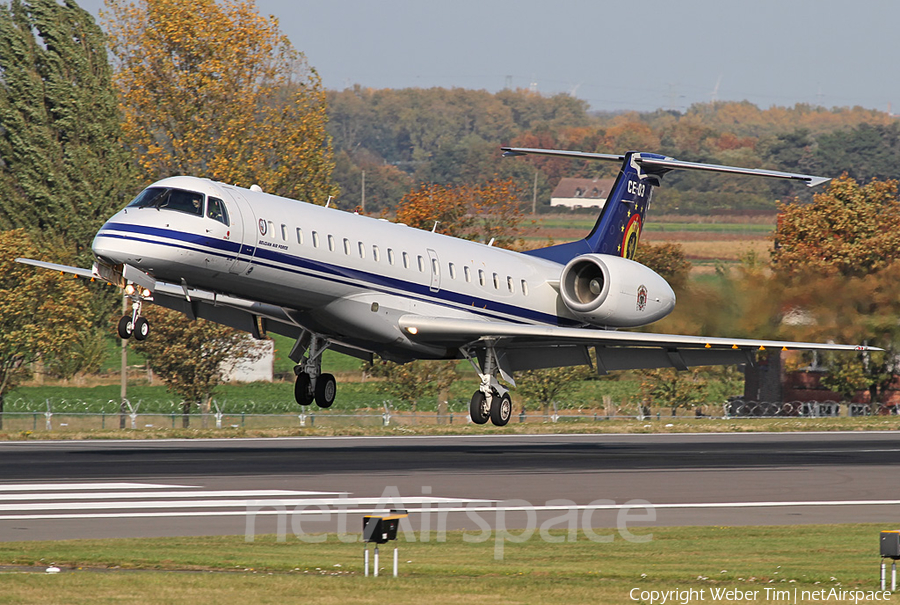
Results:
79 415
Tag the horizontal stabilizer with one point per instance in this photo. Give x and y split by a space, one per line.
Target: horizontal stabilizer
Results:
660 165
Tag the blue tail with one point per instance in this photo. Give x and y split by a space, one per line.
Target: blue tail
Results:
618 228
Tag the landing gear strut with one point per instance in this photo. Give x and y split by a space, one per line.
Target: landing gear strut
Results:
134 324
491 401
311 383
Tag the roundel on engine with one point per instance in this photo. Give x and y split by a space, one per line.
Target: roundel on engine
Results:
630 239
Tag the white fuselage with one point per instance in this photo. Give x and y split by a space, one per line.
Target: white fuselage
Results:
336 272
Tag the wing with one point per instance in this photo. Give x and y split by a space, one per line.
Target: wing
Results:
61 268
532 346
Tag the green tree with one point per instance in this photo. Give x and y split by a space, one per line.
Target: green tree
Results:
409 382
63 170
546 386
668 387
42 315
216 90
190 356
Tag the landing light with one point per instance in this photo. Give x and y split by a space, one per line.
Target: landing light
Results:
145 293
413 330
129 289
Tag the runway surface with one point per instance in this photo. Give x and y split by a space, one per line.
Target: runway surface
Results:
63 490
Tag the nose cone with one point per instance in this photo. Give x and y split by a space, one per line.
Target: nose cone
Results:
112 242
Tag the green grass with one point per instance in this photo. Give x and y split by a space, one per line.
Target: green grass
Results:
750 559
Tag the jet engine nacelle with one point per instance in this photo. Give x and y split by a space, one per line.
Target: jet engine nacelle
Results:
606 290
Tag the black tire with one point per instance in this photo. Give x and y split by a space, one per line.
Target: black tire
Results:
477 409
141 329
326 390
501 409
301 389
125 328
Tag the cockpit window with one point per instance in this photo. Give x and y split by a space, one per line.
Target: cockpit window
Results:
215 209
163 198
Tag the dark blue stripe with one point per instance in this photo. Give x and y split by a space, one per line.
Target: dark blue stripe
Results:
479 306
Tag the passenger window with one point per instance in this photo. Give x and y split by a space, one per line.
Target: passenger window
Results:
468 273
375 256
271 229
299 236
391 256
284 233
481 277
405 260
496 282
524 288
331 242
362 250
346 246
421 264
452 271
315 239
215 209
509 283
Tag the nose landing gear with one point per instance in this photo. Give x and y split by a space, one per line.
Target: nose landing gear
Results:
134 324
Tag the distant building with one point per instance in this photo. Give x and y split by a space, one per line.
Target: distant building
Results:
581 193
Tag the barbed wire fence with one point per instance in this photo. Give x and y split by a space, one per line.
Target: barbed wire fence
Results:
23 415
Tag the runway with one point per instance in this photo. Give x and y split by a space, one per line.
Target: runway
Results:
299 486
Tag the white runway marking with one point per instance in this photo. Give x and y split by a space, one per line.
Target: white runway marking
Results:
137 500
34 487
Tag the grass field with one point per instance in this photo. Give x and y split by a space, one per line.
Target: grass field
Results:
225 570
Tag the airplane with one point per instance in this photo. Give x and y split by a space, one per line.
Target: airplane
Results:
359 285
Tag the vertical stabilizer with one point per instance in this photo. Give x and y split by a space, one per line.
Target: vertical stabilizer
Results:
618 228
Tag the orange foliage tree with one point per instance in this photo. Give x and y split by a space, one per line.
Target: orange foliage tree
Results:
215 89
487 211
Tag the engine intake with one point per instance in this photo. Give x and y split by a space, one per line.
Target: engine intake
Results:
606 290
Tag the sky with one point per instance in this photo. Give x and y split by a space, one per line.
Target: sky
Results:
617 56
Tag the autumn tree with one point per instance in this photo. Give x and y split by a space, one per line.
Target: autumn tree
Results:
190 356
668 260
63 170
409 382
489 211
849 230
42 315
214 89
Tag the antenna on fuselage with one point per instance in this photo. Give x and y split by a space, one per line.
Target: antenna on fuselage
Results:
329 201
434 229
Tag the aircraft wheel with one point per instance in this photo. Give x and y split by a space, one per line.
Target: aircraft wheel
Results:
141 329
326 389
501 409
301 389
125 327
479 409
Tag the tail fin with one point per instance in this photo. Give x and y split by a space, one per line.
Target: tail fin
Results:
619 225
618 228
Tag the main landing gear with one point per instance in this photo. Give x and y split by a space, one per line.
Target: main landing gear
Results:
134 324
311 383
491 401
